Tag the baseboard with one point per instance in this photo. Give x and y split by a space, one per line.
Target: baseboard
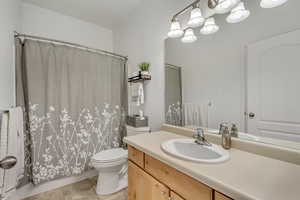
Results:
31 190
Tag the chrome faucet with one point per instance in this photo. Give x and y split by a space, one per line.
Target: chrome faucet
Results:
200 137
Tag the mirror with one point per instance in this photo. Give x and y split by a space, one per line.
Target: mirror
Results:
231 78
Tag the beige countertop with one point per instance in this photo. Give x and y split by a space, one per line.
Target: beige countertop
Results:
245 176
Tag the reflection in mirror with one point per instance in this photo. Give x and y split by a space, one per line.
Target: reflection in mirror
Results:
173 95
255 91
189 115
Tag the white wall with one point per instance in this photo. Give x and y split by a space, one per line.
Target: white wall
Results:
9 20
46 23
141 37
220 56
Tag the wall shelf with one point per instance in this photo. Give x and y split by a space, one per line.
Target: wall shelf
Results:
139 78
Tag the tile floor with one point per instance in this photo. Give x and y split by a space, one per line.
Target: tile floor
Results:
84 190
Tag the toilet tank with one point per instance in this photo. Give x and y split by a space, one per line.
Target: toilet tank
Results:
131 131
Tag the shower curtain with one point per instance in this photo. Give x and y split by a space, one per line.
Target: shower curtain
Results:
75 103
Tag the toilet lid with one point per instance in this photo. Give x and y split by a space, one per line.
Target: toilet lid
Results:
110 155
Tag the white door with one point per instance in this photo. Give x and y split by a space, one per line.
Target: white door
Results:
273 87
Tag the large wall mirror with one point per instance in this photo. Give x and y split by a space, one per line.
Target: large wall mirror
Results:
255 85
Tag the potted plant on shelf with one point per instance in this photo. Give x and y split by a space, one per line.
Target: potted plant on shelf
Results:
144 67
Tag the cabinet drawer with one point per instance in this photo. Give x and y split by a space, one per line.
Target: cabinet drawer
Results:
187 187
141 186
219 196
136 156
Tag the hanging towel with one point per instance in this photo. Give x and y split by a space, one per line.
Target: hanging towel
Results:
15 147
141 94
137 94
194 115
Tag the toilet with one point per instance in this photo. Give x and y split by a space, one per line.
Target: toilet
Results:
112 166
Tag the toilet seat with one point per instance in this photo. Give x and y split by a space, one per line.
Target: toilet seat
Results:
108 164
110 156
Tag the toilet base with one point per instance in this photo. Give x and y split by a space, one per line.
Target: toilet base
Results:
122 184
112 166
111 185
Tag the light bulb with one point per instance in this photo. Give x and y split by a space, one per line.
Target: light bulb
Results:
209 27
196 18
225 6
212 3
238 14
272 3
175 31
189 36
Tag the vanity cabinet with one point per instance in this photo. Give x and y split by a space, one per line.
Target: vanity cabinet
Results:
150 179
141 186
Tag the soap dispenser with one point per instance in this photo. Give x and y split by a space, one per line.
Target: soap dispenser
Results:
226 138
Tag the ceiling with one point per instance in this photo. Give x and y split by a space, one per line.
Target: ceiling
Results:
105 13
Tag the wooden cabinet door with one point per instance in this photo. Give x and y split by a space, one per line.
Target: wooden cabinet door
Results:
175 196
142 186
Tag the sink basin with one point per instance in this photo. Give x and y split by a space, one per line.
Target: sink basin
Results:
187 149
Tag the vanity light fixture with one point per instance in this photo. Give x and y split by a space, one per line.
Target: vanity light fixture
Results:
272 3
238 14
237 10
176 31
209 27
196 18
189 36
225 6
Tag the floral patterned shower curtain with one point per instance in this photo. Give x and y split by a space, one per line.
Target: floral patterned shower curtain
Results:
75 104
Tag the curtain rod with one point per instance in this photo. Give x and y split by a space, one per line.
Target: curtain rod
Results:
19 35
